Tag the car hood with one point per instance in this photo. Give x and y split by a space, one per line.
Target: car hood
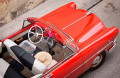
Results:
73 23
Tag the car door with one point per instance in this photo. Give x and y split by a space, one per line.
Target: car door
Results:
71 68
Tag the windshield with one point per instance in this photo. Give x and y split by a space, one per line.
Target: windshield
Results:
68 41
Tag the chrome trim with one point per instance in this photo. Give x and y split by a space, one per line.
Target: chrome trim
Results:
113 47
111 50
88 13
90 58
68 46
115 41
49 76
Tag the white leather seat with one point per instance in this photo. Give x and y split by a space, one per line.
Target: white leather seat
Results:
6 71
9 43
38 67
34 46
52 63
24 58
1 76
35 66
3 67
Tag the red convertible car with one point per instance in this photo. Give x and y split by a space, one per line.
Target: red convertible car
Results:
62 44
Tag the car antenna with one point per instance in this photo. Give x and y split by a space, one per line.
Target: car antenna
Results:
88 13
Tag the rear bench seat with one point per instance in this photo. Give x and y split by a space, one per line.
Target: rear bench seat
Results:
6 71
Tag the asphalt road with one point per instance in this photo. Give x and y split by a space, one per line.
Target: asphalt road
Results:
107 10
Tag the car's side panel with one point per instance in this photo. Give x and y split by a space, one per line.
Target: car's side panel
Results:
100 41
74 67
67 67
94 48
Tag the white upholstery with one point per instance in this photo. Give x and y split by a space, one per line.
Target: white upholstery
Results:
1 76
9 43
0 47
52 63
38 67
3 67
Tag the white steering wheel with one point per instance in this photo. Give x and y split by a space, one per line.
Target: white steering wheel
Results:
37 34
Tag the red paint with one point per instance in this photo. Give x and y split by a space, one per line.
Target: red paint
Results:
89 33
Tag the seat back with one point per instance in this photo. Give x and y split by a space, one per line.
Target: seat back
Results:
26 59
1 76
38 67
52 63
9 43
6 70
3 67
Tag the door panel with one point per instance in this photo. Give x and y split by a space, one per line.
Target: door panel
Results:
66 68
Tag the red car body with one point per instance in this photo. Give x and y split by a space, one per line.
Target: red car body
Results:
91 36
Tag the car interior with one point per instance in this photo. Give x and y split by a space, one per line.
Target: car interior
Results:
35 48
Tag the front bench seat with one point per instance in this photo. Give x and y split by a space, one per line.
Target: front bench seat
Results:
24 58
6 71
36 51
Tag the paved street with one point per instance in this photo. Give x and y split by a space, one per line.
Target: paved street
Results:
107 10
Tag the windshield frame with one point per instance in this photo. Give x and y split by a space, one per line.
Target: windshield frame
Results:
68 36
49 25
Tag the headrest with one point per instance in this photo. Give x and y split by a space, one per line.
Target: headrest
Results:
9 43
